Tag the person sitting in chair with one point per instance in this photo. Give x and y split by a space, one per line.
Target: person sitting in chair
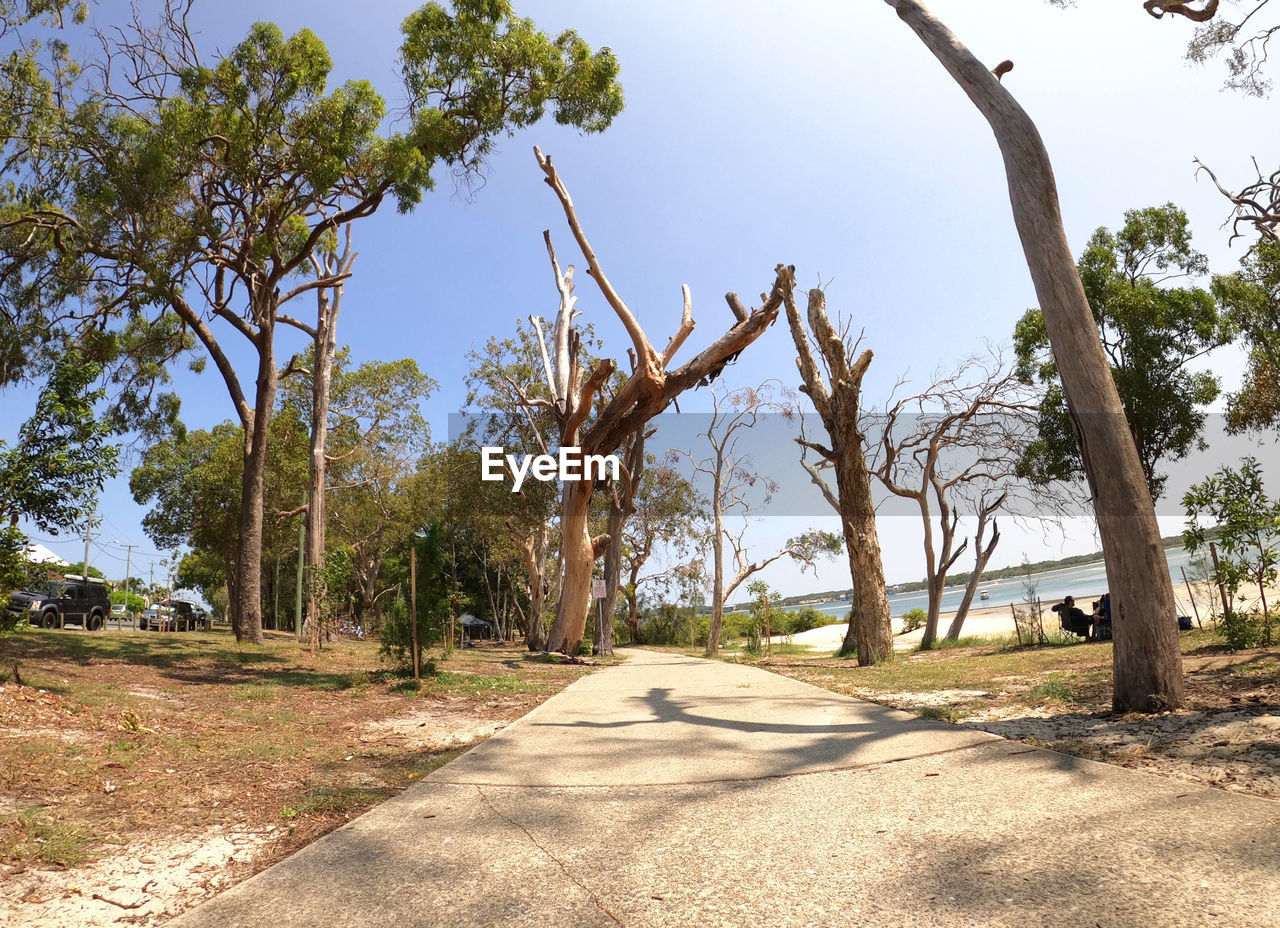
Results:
1102 618
1072 618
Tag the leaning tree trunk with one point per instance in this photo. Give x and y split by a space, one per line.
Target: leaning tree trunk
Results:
935 578
1147 659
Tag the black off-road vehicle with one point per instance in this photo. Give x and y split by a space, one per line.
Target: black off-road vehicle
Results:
58 603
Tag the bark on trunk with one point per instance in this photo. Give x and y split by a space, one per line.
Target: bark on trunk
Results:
869 629
1147 659
612 572
717 563
935 579
313 558
621 509
534 549
233 588
633 618
249 559
324 350
577 555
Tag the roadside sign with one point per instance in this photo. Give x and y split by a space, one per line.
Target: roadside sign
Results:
597 589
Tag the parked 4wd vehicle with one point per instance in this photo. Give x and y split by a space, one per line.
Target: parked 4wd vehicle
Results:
185 615
70 601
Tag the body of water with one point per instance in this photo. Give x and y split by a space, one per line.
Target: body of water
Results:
1086 582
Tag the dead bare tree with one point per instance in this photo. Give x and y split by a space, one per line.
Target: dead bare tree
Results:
838 403
1147 659
729 471
334 267
650 388
988 503
968 428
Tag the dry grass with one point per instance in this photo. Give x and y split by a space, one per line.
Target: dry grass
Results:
115 735
1047 677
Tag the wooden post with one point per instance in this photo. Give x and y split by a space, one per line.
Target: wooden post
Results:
1194 607
1017 631
413 609
1217 576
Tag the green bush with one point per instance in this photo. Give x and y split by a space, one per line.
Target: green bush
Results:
913 619
8 620
801 620
1241 630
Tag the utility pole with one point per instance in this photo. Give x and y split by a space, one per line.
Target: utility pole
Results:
128 562
88 529
151 585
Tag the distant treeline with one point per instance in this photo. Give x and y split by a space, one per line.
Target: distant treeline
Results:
962 578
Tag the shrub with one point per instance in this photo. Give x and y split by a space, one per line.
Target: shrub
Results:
801 620
1241 630
913 619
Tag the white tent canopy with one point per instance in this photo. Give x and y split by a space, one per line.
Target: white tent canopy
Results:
39 554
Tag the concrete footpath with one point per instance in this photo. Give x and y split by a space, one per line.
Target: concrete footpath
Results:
672 791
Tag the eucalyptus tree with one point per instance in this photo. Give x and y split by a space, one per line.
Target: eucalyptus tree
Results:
1250 299
504 387
1152 334
208 190
650 388
193 485
1147 660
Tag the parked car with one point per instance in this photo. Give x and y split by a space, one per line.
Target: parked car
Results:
156 619
70 601
186 615
120 613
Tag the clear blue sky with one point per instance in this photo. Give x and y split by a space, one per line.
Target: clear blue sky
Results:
820 134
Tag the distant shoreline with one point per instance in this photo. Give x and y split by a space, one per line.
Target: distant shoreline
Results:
1014 572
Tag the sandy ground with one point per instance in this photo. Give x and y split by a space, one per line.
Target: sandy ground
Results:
997 621
148 881
144 884
993 622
